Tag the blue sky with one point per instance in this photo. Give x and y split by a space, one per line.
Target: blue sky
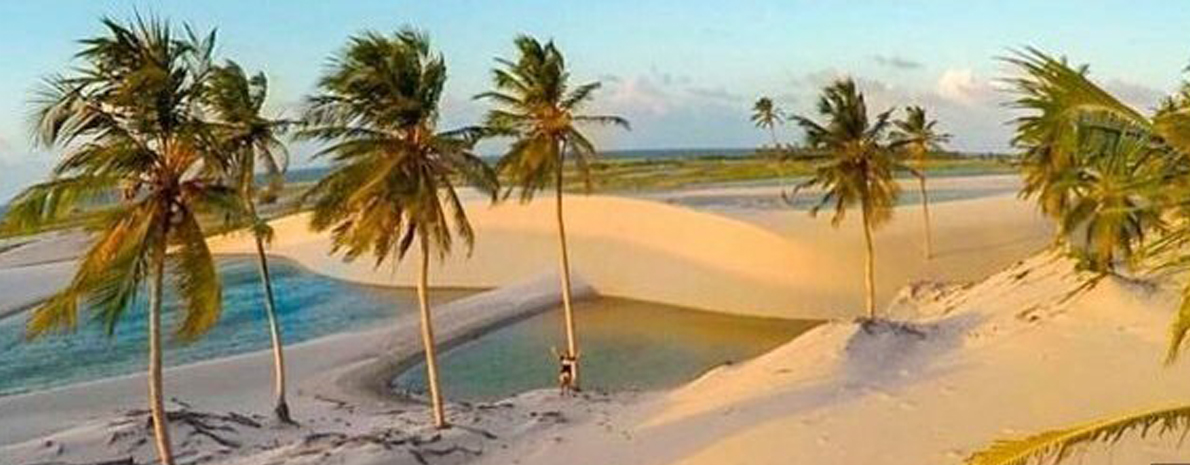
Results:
684 72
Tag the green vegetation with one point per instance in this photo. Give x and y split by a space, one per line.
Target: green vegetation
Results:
642 175
1115 179
766 115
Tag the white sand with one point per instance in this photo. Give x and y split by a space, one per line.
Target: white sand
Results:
836 395
1015 354
350 368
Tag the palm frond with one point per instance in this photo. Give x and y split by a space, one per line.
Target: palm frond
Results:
1060 443
195 277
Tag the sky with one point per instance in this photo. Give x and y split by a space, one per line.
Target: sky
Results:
685 73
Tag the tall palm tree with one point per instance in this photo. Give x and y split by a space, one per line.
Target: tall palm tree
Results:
392 178
535 105
859 170
237 100
127 120
1068 118
766 115
917 135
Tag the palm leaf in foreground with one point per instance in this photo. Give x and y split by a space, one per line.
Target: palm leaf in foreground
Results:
1057 445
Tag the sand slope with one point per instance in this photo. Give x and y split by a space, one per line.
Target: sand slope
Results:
1026 350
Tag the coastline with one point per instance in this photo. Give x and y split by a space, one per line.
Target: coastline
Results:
354 367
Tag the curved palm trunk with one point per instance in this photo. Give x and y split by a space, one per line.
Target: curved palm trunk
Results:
156 396
869 266
427 337
564 265
773 134
281 407
925 208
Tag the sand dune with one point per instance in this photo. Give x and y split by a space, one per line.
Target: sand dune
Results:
767 263
1026 350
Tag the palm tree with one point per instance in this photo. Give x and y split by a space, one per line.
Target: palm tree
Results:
249 137
860 168
1093 160
393 174
128 121
535 105
917 136
766 115
1112 208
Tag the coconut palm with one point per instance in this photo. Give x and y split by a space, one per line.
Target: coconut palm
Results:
766 115
1111 209
917 136
860 166
392 178
535 105
237 100
1063 135
127 120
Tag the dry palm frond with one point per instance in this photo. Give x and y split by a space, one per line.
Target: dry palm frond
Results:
1057 445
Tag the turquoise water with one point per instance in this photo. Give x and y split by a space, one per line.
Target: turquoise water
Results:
310 305
625 345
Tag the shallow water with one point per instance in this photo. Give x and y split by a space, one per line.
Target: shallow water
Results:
310 305
625 345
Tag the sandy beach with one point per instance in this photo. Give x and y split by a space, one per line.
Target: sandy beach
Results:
772 262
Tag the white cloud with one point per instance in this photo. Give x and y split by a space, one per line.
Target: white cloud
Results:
964 104
639 95
964 86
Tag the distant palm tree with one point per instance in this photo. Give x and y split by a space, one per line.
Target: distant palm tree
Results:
128 121
860 169
917 136
1093 161
393 173
766 115
536 106
237 102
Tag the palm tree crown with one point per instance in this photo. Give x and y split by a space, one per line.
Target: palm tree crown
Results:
392 176
860 168
917 134
130 122
766 115
535 104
